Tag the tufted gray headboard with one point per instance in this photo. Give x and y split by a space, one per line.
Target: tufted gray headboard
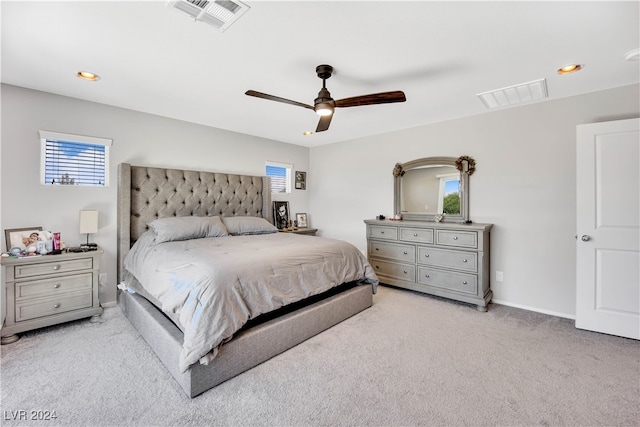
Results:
145 194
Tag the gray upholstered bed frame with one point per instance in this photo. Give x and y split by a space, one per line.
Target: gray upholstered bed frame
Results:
145 194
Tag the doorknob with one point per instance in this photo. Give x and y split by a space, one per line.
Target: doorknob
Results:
585 238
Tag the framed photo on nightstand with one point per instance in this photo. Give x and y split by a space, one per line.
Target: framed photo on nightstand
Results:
281 214
22 237
301 219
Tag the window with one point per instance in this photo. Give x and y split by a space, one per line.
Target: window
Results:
280 175
74 160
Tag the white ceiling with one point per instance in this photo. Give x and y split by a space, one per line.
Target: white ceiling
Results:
441 54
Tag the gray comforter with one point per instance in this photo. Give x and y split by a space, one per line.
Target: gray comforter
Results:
211 287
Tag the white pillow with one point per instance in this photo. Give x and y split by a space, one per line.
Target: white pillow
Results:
178 228
247 225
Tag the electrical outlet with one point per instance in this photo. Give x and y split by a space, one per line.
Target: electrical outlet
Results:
102 279
499 276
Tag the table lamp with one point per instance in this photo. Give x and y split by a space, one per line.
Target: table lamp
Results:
89 225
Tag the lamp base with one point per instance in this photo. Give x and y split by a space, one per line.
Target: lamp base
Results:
88 247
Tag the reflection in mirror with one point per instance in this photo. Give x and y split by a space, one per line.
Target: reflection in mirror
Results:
433 188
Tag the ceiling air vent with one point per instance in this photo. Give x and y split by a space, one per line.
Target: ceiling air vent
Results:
217 13
516 94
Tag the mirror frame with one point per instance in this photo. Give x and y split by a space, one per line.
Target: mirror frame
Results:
465 164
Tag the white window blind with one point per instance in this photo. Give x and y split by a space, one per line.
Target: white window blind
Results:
280 175
74 160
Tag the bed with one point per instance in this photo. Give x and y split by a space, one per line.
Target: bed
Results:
172 224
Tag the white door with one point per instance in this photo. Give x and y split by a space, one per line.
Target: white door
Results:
608 228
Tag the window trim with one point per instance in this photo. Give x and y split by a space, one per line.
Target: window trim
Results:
79 139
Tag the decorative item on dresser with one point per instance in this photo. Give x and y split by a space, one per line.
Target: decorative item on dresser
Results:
447 260
47 290
434 248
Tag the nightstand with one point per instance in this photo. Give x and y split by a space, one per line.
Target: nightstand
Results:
50 289
309 231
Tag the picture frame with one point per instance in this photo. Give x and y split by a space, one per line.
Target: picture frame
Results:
20 237
301 220
301 180
281 214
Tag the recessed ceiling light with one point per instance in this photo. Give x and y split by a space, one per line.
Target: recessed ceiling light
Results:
88 76
307 133
568 69
632 55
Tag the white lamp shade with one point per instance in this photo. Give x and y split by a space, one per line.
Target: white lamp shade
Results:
88 222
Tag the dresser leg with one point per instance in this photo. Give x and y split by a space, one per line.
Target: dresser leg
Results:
482 308
96 319
9 339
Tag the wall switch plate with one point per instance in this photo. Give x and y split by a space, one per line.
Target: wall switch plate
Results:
499 276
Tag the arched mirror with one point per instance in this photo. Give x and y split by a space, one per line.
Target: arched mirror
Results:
433 189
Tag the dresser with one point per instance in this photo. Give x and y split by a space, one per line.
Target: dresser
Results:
445 259
47 290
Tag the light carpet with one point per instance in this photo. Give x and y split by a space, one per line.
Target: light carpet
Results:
411 359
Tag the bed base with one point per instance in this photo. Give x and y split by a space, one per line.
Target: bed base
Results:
249 347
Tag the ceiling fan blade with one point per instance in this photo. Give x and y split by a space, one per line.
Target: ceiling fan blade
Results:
374 98
324 123
276 98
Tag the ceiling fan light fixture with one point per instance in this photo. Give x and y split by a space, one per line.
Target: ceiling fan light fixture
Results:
324 110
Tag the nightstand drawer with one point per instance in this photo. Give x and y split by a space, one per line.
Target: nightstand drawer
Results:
463 239
392 251
382 232
391 269
30 270
54 286
467 261
32 309
420 235
467 283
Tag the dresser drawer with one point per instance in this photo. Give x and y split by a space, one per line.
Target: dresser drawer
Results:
461 282
32 309
392 269
461 239
39 269
383 232
53 286
467 261
393 251
420 235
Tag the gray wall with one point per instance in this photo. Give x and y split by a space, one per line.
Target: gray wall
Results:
525 184
138 138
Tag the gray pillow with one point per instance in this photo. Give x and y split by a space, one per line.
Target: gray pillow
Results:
247 225
177 228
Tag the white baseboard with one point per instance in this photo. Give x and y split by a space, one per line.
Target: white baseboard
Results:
538 310
108 304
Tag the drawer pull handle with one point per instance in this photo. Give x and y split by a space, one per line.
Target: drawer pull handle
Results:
415 234
377 266
426 255
56 267
464 282
426 275
405 272
56 286
382 232
405 252
377 249
464 260
56 305
455 237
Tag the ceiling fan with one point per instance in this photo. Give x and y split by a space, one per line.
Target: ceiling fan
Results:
324 105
